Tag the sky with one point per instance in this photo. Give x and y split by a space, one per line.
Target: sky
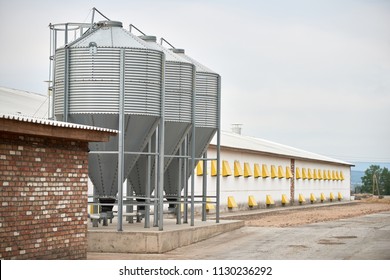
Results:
314 75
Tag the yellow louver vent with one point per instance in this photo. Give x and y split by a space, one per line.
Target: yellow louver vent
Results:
256 169
280 172
213 168
264 171
298 174
247 170
288 172
304 173
226 171
273 171
199 168
237 169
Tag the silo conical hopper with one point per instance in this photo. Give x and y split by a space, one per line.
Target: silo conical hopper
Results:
179 94
206 120
91 73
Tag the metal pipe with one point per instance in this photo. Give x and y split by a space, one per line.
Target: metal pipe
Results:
161 134
204 187
66 34
192 166
163 40
129 201
218 187
185 192
49 115
125 153
178 208
155 218
133 26
121 139
66 84
147 188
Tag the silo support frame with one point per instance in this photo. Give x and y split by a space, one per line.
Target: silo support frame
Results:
147 189
218 187
204 187
161 158
121 135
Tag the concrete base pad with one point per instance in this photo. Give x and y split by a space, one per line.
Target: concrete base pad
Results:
136 239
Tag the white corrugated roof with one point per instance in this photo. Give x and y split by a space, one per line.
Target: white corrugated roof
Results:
237 141
54 123
13 101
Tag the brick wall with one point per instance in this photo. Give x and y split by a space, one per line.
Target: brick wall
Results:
43 197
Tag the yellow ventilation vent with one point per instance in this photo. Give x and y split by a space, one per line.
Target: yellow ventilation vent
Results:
226 171
304 173
313 198
256 169
231 202
252 201
301 198
269 200
210 206
320 174
309 174
213 168
237 169
247 170
298 174
315 174
280 172
199 168
273 171
341 175
264 171
288 172
285 200
325 175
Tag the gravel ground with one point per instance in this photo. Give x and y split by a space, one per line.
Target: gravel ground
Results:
289 218
249 242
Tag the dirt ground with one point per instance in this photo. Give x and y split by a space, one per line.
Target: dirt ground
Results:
302 216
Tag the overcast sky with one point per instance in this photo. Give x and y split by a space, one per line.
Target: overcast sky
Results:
310 74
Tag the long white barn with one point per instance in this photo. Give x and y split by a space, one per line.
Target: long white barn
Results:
253 168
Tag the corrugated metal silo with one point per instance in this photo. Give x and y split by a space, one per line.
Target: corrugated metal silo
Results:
207 113
93 74
179 95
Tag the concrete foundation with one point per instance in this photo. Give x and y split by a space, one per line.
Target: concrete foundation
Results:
136 239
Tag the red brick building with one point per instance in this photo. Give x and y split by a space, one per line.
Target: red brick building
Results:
44 187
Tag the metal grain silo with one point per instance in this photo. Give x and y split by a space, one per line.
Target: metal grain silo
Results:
103 75
179 106
207 120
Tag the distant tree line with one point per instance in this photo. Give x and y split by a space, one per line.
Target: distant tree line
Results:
376 180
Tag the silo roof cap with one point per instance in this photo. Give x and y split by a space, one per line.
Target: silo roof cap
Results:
178 50
148 38
109 23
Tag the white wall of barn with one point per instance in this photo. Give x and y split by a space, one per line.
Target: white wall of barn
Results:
241 187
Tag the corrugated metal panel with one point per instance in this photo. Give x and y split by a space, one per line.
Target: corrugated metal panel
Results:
94 81
178 91
143 82
206 100
55 123
59 81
